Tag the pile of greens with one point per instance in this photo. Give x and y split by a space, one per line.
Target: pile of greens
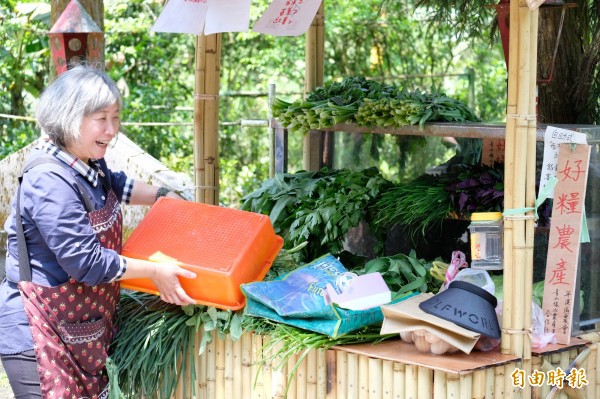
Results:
156 343
426 201
367 103
317 207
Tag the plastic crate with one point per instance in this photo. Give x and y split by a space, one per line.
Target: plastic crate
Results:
225 248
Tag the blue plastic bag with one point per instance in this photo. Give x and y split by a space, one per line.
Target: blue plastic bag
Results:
297 299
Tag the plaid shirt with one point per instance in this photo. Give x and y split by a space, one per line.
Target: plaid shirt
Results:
85 170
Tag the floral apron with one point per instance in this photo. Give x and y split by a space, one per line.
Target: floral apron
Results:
73 324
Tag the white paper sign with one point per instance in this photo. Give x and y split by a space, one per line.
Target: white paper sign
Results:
552 138
287 17
227 16
182 16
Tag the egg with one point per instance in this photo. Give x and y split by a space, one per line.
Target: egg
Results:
406 336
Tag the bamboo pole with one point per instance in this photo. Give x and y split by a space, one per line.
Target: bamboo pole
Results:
411 381
509 166
440 386
322 377
375 377
424 382
301 381
466 386
206 115
220 355
278 377
311 374
592 372
228 370
247 376
266 371
256 371
479 384
387 379
499 382
200 364
313 77
490 383
363 372
238 366
519 187
331 370
399 381
353 376
211 367
199 79
294 383
453 386
341 360
518 180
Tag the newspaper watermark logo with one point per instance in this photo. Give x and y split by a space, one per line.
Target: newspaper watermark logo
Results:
576 378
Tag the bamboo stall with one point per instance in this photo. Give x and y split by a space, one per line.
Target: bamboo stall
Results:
395 369
236 369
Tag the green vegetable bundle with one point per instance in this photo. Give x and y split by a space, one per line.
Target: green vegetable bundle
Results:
416 206
156 343
403 274
367 103
412 108
317 207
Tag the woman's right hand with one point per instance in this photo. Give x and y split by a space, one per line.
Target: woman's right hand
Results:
166 279
165 276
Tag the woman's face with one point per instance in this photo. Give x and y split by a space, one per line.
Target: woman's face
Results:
97 130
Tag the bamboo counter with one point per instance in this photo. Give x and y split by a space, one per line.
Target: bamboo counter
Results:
392 369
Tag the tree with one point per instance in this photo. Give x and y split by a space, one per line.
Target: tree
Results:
572 96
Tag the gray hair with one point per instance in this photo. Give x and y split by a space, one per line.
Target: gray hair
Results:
76 93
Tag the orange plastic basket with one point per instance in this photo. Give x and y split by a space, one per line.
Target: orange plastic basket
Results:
225 248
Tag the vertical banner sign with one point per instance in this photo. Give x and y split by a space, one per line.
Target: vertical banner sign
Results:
564 241
553 137
492 151
287 17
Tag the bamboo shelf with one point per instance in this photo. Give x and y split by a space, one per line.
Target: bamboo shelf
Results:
318 142
442 129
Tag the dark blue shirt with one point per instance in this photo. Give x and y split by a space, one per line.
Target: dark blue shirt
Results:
60 238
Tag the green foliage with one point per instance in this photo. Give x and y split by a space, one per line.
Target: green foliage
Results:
24 54
385 40
317 207
155 345
155 73
24 66
403 274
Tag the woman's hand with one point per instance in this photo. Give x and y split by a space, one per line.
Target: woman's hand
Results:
166 280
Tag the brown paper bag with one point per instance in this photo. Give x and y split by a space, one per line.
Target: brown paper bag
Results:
406 316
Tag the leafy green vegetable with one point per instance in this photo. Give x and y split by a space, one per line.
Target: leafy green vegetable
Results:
317 207
367 103
403 273
416 206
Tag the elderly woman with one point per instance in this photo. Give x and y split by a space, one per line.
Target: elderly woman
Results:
63 264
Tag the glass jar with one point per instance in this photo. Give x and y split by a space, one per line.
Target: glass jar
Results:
486 240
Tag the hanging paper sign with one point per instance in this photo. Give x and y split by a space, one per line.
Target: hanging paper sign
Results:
552 139
287 17
227 16
564 242
182 16
492 150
